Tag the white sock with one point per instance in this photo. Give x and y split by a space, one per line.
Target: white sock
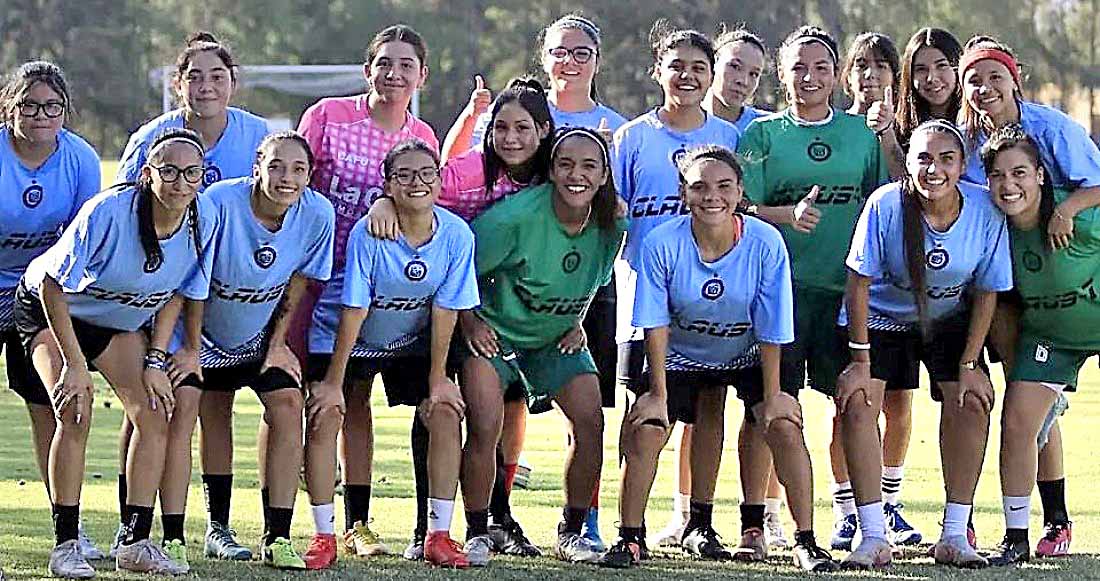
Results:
682 504
844 500
872 522
891 483
1017 511
955 517
772 505
324 518
439 514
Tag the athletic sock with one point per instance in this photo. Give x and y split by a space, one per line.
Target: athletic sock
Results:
218 489
66 522
141 523
1017 511
632 534
681 506
752 516
844 500
773 505
1053 495
265 502
356 504
420 440
804 538
440 512
172 527
595 502
891 484
324 518
278 524
955 518
573 519
122 499
509 476
477 523
872 521
500 505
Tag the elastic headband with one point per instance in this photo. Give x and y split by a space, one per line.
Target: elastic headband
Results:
813 39
571 131
941 124
972 57
176 139
588 26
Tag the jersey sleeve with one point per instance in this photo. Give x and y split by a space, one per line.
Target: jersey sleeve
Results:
994 272
866 256
317 262
651 308
89 178
477 138
877 172
496 240
74 255
751 150
773 307
359 268
312 126
625 153
459 289
462 184
1077 156
133 157
424 132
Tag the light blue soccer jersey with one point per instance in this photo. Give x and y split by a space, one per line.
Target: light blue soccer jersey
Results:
231 157
399 284
38 204
1068 152
100 265
747 115
589 119
973 252
253 265
646 151
717 312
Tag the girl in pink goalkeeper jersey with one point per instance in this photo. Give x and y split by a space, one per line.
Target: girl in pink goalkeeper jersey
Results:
350 137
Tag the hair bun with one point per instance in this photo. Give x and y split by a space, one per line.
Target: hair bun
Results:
526 83
200 37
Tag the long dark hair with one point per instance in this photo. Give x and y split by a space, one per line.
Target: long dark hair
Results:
1013 136
529 94
605 203
879 45
574 21
147 231
22 79
912 108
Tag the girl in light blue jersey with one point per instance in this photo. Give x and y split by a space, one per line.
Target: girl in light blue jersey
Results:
48 172
110 292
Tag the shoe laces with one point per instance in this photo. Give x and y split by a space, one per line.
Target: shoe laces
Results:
816 552
1053 531
223 534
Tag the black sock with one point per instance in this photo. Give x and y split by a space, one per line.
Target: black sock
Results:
172 525
141 522
752 516
631 534
1053 495
219 493
265 504
700 515
356 504
573 519
477 523
277 524
420 439
66 522
500 505
1016 535
805 538
122 499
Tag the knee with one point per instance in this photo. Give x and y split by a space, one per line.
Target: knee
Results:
150 423
784 435
1017 425
857 413
588 427
284 409
483 431
443 423
972 411
326 422
644 443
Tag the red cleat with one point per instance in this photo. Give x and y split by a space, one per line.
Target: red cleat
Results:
971 536
442 551
321 553
1055 541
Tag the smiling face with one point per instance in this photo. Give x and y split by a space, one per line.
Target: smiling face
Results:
516 135
206 85
396 72
685 75
413 182
39 128
869 75
282 172
809 74
1015 182
567 75
737 72
934 79
180 158
711 191
578 171
934 163
989 88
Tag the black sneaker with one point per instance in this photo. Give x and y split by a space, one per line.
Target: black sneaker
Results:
1010 553
704 543
508 539
813 558
623 554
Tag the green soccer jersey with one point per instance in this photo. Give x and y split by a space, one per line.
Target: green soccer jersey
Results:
536 280
784 158
1060 288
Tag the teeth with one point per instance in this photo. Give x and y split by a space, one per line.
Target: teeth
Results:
686 87
418 194
577 189
1012 197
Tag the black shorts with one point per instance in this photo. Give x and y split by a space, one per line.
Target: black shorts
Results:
405 379
631 364
684 388
599 326
232 378
22 378
30 320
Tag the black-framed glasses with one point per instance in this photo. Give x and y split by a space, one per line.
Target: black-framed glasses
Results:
52 109
580 54
407 177
169 173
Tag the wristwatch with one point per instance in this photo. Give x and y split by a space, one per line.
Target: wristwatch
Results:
971 364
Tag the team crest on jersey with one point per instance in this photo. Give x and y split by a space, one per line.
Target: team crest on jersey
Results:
571 261
1032 261
713 289
937 258
678 155
152 263
211 175
32 196
264 256
416 270
819 151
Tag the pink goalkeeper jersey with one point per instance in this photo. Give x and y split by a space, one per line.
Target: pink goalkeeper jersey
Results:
463 185
349 148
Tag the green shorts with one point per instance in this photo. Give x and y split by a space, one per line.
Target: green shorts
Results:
1037 359
542 372
819 350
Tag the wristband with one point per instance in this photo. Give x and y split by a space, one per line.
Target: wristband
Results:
155 363
854 346
880 132
156 353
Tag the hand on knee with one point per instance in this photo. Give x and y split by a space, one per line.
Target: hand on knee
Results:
442 421
644 442
150 423
326 421
783 434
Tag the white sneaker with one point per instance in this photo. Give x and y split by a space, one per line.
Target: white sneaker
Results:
415 550
871 553
774 534
672 534
145 557
87 547
478 550
67 562
957 551
573 548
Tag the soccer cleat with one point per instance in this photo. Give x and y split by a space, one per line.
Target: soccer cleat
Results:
752 549
573 548
591 530
957 551
508 539
672 534
87 547
220 543
774 534
871 553
814 559
522 478
280 554
415 550
321 553
898 531
1010 553
67 562
120 535
622 555
478 550
971 536
442 551
844 531
363 542
177 551
145 557
704 543
1055 541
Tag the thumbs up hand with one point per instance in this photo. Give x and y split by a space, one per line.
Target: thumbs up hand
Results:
881 114
604 130
804 216
480 98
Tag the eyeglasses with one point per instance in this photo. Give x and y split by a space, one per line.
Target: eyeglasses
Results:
580 54
169 173
407 177
52 109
